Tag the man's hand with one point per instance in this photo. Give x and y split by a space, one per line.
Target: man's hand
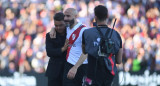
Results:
52 33
72 72
64 48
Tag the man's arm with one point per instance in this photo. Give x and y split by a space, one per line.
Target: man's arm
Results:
119 56
72 72
52 33
51 50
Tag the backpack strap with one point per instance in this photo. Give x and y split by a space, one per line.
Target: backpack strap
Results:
100 33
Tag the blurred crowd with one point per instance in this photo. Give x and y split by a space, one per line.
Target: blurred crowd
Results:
24 24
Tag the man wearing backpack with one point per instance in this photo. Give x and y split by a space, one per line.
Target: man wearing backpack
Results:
104 48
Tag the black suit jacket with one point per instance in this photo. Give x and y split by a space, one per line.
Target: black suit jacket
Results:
57 57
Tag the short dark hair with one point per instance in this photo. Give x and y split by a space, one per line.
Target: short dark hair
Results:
59 16
101 12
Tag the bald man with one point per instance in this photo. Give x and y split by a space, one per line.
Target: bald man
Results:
72 75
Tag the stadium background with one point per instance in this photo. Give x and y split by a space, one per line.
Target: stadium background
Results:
24 23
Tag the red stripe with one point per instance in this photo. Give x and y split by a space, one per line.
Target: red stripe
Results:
68 50
112 64
71 41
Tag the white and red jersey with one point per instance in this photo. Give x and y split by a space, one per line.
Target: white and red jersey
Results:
75 50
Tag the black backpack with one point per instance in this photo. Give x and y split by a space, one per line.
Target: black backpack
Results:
106 45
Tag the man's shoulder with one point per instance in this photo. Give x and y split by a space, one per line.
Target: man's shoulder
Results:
116 32
84 28
90 29
47 34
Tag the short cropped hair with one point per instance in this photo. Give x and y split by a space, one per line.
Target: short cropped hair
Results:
101 12
59 16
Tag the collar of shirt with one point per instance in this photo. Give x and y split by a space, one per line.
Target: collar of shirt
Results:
77 25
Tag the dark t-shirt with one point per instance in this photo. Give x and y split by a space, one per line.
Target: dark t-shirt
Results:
91 39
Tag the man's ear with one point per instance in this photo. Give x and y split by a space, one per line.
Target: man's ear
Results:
106 16
95 18
76 16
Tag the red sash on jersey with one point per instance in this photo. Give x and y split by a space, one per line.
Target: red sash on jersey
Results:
73 38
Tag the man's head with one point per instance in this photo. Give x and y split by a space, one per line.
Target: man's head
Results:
70 16
59 23
101 13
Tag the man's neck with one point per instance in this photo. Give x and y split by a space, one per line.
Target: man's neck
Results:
61 34
74 24
99 23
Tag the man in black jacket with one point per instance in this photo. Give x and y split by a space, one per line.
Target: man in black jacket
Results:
56 49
